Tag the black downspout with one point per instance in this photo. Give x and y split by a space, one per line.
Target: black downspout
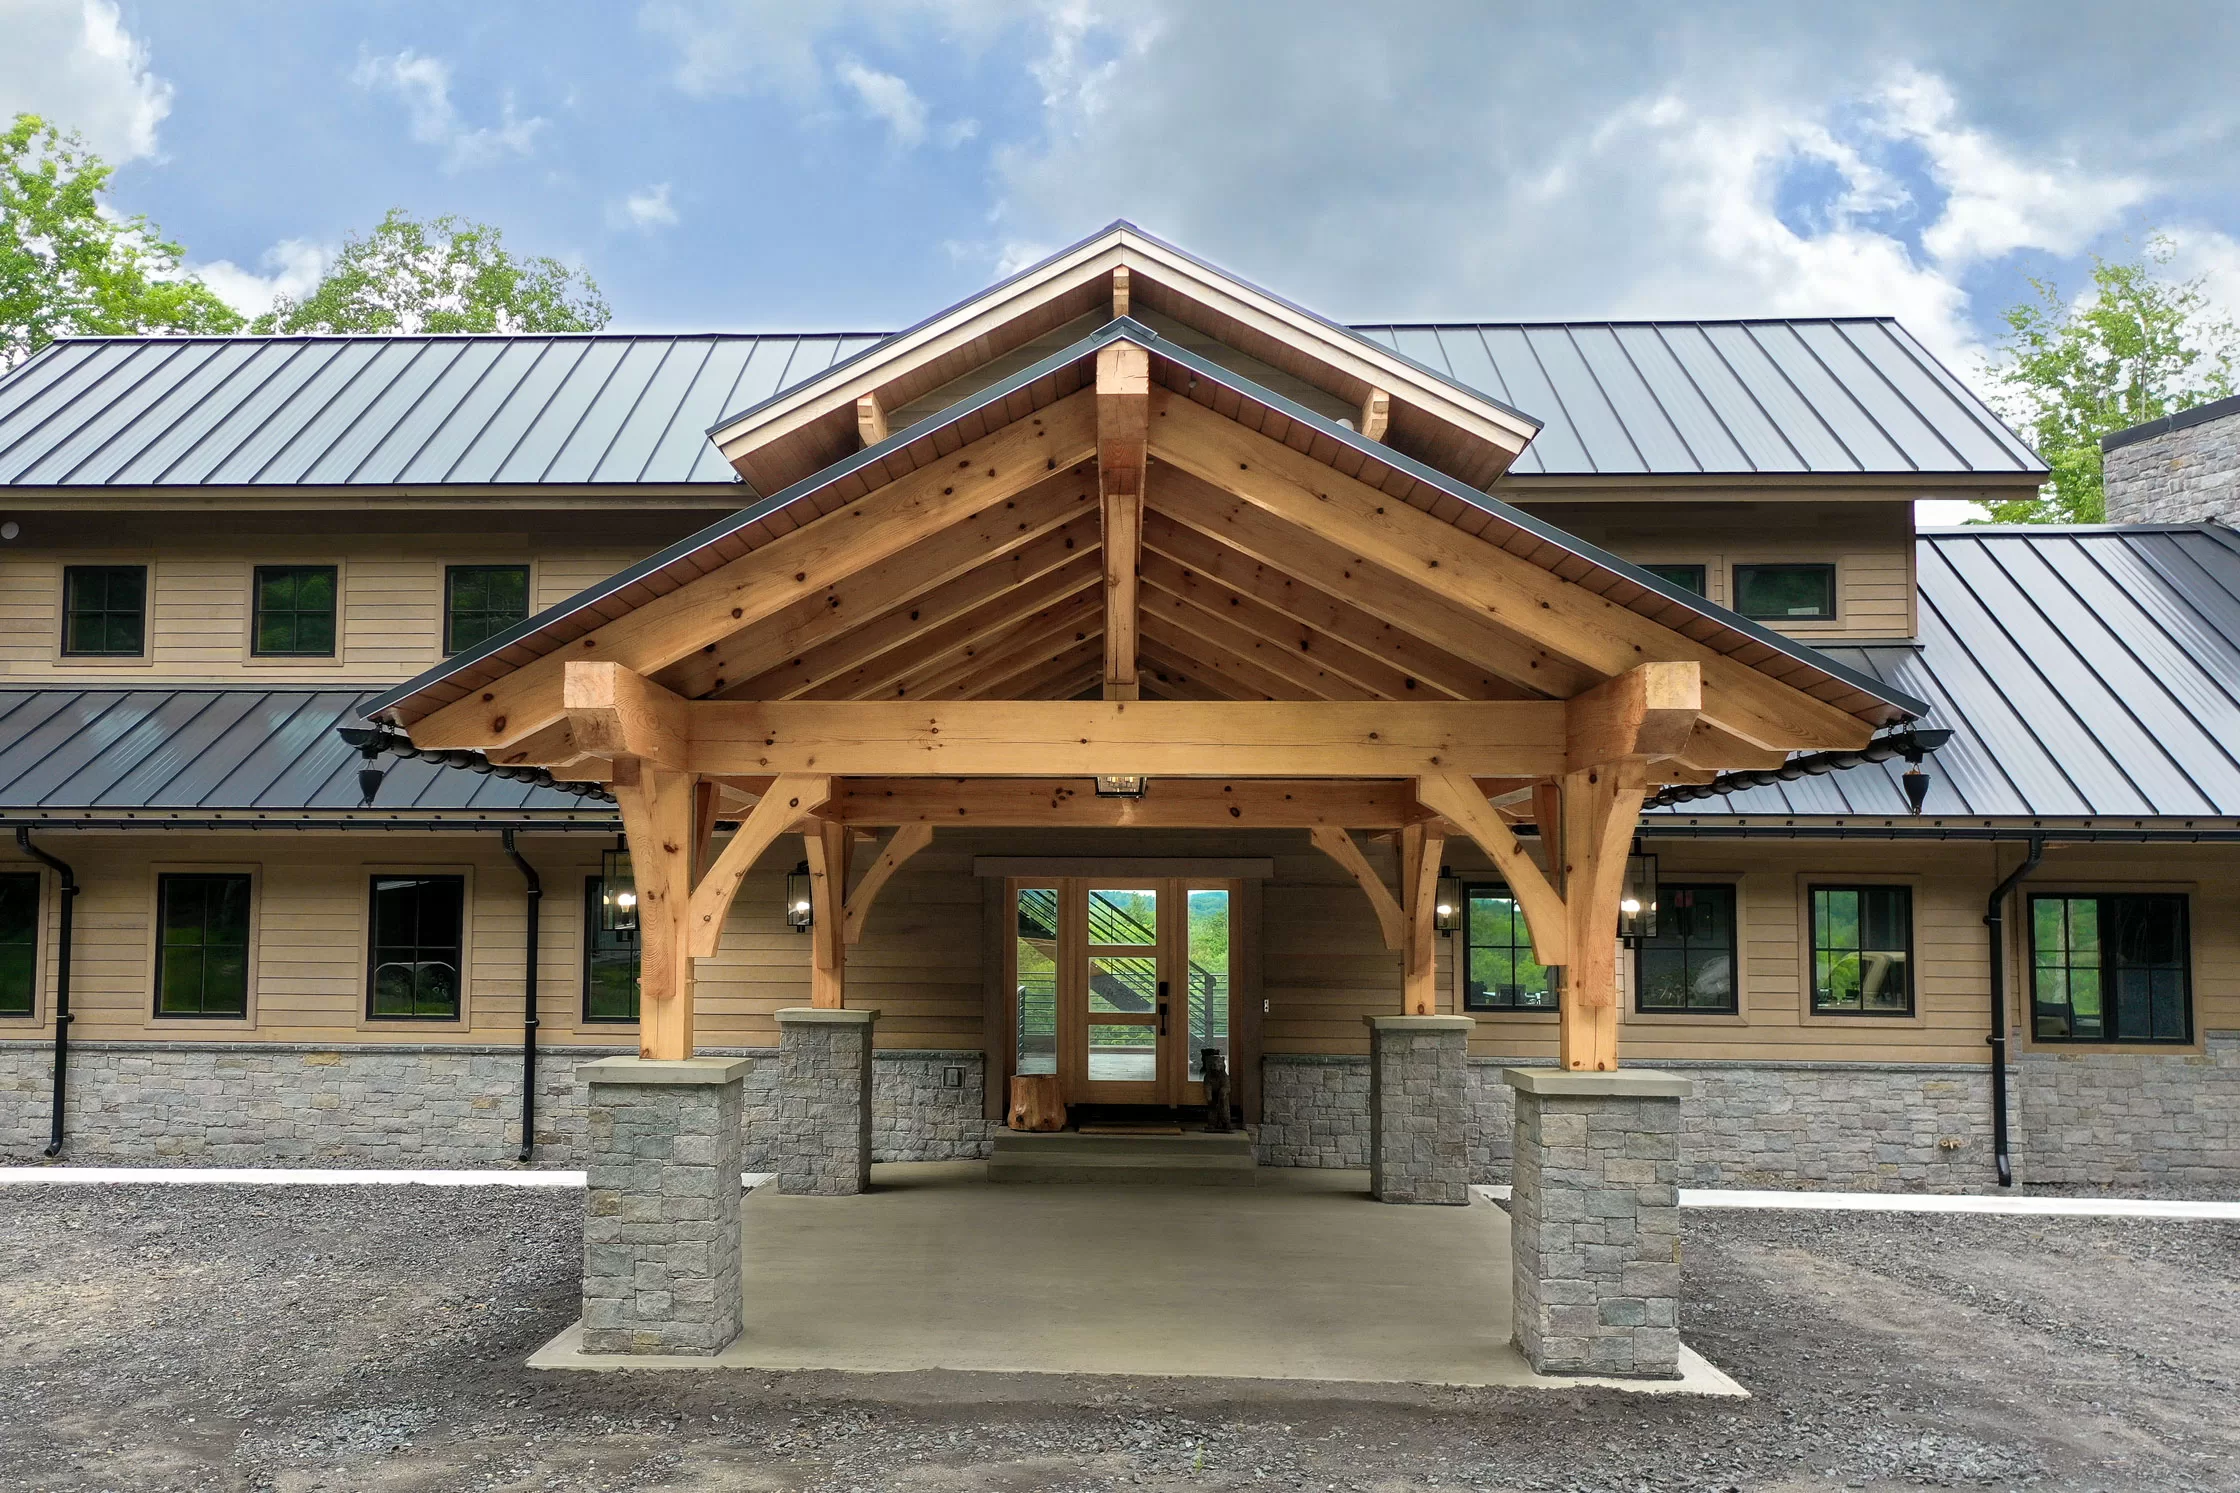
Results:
1994 918
528 1004
61 982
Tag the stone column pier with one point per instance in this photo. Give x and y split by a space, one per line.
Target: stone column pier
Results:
1594 1221
1419 1109
661 1264
824 1101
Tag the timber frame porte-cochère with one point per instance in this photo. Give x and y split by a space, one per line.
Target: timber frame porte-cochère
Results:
1037 544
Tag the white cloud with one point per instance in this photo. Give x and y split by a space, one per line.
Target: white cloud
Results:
74 63
887 99
293 268
645 210
424 86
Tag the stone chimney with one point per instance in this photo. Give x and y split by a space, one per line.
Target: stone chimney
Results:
2180 469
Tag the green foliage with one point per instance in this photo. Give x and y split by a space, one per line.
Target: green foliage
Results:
69 269
2136 348
446 275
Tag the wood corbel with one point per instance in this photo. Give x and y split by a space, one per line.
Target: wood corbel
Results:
616 712
1648 711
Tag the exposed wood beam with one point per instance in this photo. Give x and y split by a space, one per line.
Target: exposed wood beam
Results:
1376 414
1301 666
1648 711
969 670
1601 808
984 738
1712 749
858 660
827 846
1170 803
1023 679
707 801
554 747
1365 671
901 671
1567 620
656 804
1123 434
1293 597
992 550
1177 681
1120 289
884 522
617 713
787 799
1339 846
906 841
1240 663
871 420
1421 847
1458 800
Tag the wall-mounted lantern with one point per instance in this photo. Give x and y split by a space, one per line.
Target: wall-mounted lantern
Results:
1121 784
618 890
801 905
1637 902
1446 902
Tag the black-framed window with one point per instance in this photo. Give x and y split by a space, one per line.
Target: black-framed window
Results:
610 963
19 943
1499 972
202 944
1862 950
414 948
1690 964
104 611
1786 593
1686 577
294 611
2110 968
481 601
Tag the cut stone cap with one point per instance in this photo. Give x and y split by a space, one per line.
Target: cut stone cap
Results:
1419 1023
664 1070
810 1015
1619 1083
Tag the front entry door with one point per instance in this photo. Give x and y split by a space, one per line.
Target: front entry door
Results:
1121 985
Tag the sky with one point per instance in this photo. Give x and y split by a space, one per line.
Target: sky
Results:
856 165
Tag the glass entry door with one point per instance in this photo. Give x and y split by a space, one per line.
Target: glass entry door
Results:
1121 985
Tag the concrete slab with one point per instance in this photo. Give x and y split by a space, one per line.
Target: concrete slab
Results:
1299 1277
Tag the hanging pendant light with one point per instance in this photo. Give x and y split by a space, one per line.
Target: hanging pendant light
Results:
618 890
1637 902
801 906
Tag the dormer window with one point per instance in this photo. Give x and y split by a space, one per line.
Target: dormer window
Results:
1786 593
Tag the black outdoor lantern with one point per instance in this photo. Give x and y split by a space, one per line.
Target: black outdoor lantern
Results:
618 890
1446 902
801 907
1121 784
1637 902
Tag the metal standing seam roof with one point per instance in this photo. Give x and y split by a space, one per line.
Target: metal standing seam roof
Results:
186 751
1756 398
2085 673
1230 394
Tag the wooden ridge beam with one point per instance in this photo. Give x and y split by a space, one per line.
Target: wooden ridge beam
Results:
1294 598
906 841
852 647
1123 437
1170 803
1566 620
1339 846
884 522
981 738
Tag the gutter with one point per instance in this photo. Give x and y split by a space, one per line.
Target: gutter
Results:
1994 920
61 983
307 825
535 895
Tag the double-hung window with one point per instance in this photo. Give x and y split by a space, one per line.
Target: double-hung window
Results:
610 962
19 943
1690 964
1862 950
415 948
2110 968
294 611
1499 972
104 611
202 945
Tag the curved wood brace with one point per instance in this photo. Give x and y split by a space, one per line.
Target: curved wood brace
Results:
1339 845
790 797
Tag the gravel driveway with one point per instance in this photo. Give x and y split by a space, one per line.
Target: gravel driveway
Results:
344 1338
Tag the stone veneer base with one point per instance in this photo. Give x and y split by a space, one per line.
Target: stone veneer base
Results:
1418 1112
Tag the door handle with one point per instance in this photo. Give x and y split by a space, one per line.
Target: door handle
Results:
1162 1008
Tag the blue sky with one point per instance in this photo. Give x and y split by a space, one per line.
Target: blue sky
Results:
856 165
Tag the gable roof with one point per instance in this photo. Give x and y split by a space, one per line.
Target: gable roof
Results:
1069 371
2084 673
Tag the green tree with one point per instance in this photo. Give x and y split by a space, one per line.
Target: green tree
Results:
445 275
2137 347
69 268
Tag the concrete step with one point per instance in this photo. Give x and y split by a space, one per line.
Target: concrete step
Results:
1190 1159
1072 1142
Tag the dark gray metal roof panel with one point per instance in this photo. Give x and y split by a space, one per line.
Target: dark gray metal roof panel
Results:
104 750
2084 672
1795 397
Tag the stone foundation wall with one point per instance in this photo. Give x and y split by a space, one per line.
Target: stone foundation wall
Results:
276 1104
2103 1119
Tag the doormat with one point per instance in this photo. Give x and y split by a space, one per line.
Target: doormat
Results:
1133 1127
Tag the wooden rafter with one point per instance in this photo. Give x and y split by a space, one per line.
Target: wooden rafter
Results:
885 522
891 672
1183 632
871 420
970 670
1029 677
1339 846
1175 681
1123 435
1303 666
